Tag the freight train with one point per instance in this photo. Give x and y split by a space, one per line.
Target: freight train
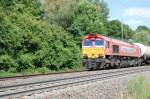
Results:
100 52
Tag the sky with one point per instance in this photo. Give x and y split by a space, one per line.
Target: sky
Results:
131 12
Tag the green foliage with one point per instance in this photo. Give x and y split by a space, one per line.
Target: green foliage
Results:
114 28
7 74
7 63
140 28
78 17
127 32
27 42
31 7
60 50
60 12
142 36
30 71
89 19
25 61
43 70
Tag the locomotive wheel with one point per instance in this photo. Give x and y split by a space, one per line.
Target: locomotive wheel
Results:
88 65
121 65
107 65
112 64
139 64
118 66
102 65
98 66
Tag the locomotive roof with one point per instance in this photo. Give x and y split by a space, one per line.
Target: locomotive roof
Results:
95 35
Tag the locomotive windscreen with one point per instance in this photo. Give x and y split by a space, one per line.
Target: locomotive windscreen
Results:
99 42
93 43
88 43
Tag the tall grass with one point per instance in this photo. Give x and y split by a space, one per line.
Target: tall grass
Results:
138 88
42 70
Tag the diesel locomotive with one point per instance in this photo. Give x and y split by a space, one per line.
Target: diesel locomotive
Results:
100 52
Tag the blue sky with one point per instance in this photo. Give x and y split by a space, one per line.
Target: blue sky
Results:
131 12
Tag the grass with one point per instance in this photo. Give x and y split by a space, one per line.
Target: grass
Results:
42 70
138 88
8 74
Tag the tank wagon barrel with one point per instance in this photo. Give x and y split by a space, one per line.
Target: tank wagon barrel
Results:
145 52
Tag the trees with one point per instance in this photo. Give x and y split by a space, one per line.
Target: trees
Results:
18 24
140 28
60 12
142 35
127 32
87 20
116 27
78 17
91 17
27 41
58 50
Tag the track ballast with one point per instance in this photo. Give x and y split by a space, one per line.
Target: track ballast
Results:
39 87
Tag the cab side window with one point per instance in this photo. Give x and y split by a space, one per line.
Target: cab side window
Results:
107 44
115 48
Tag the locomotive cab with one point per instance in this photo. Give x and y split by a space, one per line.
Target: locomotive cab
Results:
93 51
93 48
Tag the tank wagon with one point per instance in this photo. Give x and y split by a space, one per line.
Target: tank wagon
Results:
100 52
145 52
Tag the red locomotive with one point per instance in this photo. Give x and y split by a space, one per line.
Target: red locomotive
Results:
101 52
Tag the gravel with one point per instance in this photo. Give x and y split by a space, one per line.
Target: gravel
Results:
114 88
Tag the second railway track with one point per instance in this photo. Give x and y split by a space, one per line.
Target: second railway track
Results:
38 87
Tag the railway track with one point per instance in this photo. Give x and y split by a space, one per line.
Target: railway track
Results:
39 87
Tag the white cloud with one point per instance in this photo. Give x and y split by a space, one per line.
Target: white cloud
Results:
140 12
110 18
133 23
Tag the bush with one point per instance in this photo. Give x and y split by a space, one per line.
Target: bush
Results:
26 61
62 50
7 63
43 70
31 42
